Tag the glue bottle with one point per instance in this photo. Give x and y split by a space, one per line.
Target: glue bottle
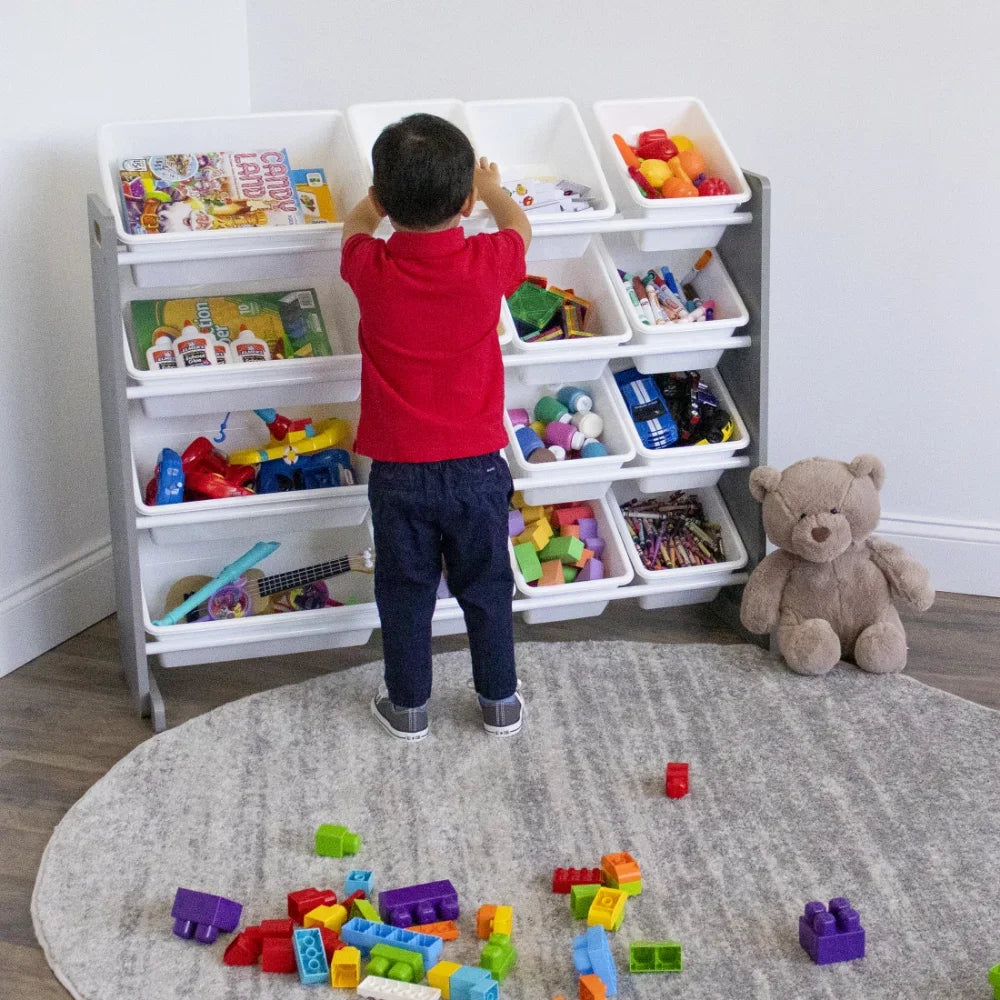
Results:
223 352
161 355
249 347
194 349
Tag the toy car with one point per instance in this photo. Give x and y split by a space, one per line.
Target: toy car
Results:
647 408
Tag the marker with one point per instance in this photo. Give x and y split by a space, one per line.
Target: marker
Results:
654 303
671 304
709 305
699 265
640 293
626 280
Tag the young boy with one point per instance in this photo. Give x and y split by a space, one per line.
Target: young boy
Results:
432 395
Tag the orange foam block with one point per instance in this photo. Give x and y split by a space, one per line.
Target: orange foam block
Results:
552 573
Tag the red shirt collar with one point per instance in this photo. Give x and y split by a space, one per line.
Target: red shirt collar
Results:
439 244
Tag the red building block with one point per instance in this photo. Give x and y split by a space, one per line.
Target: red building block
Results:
564 878
301 902
245 948
570 515
276 928
677 780
349 902
278 955
331 941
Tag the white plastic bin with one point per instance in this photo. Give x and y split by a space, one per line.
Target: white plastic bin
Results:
311 138
686 466
683 344
681 116
705 581
588 593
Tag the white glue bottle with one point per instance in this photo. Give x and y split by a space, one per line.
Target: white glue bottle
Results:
249 347
223 352
161 355
194 349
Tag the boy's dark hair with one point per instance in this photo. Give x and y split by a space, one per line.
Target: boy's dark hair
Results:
423 168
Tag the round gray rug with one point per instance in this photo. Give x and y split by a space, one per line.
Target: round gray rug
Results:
875 788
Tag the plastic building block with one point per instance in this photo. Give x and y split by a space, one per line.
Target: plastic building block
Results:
277 955
364 909
304 900
310 956
655 956
618 868
276 928
330 917
484 921
447 930
348 901
470 982
395 963
564 878
580 898
201 916
607 909
592 954
527 561
591 988
331 942
503 920
345 968
377 988
359 878
834 936
440 976
365 934
336 841
498 956
244 949
993 977
676 780
419 904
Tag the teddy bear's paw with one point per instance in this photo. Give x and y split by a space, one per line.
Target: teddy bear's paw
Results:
881 649
811 648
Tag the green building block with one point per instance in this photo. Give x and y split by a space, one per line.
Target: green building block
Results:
534 305
994 980
363 909
390 962
580 898
336 841
631 888
498 956
655 956
569 573
566 548
528 562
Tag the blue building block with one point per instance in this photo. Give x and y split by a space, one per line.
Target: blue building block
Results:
359 879
834 936
472 983
310 956
365 934
592 954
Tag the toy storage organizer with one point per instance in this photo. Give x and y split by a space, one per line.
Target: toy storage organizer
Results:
144 411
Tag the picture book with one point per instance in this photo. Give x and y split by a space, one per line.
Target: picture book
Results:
290 322
194 192
314 195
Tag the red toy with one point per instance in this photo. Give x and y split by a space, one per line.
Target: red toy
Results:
712 186
278 955
677 780
245 948
563 879
276 928
304 900
331 941
208 474
349 902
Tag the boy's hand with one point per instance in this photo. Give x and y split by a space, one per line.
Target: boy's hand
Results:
507 213
487 174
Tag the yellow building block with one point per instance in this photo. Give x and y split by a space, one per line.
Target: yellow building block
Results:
330 917
345 968
607 909
439 976
503 920
552 573
517 500
532 513
537 532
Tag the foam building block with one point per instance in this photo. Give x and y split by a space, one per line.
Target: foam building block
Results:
552 573
536 532
515 523
419 904
498 956
345 968
359 879
833 935
304 900
278 955
581 897
565 548
201 916
592 954
676 783
365 934
377 988
395 963
593 569
571 515
334 841
655 956
527 561
607 909
588 527
564 878
310 956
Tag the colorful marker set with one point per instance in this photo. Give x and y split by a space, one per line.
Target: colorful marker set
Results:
658 298
671 532
543 312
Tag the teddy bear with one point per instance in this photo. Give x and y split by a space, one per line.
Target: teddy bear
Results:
830 585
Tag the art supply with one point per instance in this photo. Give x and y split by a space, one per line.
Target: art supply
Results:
549 408
645 307
626 280
699 265
194 349
672 532
590 424
248 347
518 417
566 436
574 399
593 449
223 353
161 356
528 441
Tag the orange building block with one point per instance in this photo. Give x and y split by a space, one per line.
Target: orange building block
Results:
447 930
552 573
592 988
573 530
484 921
619 868
584 559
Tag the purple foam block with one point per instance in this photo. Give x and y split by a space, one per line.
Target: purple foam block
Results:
588 527
596 545
515 523
427 903
593 569
832 936
201 915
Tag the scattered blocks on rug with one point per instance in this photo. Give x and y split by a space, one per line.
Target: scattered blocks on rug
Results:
345 968
333 841
832 936
310 957
592 955
447 930
676 780
201 916
563 879
607 909
469 982
391 962
580 898
655 956
498 956
494 920
359 879
365 934
302 901
245 948
419 904
330 917
377 988
621 871
440 975
278 955
363 908
591 988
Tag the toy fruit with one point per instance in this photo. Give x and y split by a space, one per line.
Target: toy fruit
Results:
682 142
660 149
692 161
713 186
655 171
677 187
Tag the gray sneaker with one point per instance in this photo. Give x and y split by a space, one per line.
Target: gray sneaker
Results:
503 718
404 723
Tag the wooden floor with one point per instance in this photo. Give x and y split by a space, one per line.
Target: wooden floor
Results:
65 719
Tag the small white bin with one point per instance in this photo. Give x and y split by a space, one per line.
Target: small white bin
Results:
683 344
678 116
705 581
311 138
686 466
602 468
590 596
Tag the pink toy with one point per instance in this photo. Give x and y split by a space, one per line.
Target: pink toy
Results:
565 436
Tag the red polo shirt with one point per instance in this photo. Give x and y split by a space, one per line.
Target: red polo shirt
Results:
431 372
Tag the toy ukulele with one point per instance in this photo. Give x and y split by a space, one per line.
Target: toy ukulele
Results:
249 591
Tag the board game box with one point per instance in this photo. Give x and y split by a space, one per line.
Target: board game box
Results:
314 195
290 322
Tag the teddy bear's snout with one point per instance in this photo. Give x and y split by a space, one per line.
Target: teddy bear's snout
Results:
820 534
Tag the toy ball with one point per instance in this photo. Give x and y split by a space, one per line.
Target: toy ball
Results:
677 187
713 186
655 171
692 161
682 142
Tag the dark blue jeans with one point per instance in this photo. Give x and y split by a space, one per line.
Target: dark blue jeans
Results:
421 512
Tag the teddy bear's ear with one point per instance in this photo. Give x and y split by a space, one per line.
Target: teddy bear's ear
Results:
763 479
868 465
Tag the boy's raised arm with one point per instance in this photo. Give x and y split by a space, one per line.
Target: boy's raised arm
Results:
503 208
363 218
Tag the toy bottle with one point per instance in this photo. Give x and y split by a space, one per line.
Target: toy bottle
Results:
566 436
588 424
223 353
528 440
548 409
248 347
574 399
194 349
593 449
161 355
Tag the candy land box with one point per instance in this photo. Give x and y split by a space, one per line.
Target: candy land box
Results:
195 192
290 322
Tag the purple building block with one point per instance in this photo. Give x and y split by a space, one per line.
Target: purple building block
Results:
419 904
515 523
201 915
593 569
834 936
596 545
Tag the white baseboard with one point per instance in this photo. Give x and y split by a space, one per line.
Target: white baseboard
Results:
963 558
42 612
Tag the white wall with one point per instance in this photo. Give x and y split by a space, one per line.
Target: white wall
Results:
66 70
876 124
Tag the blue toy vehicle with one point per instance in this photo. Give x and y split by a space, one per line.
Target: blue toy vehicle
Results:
322 469
647 408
